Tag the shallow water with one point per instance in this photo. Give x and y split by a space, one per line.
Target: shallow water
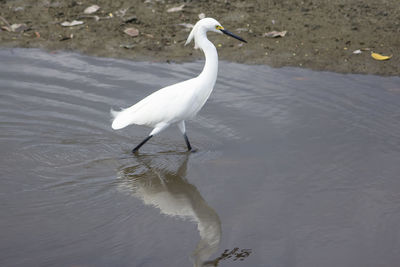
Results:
294 167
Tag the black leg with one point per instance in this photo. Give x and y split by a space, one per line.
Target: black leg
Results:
141 144
187 142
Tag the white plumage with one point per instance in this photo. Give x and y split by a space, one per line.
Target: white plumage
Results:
168 105
178 102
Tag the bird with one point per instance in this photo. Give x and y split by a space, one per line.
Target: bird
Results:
174 104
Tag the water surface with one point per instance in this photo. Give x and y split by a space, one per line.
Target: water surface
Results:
294 167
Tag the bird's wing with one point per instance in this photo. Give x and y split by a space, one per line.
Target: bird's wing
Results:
169 104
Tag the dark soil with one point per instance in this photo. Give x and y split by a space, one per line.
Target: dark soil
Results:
320 35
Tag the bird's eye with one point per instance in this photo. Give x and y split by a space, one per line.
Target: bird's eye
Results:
219 27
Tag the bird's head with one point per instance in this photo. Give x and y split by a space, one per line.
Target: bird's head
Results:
209 24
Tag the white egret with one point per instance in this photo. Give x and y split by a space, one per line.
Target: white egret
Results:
178 102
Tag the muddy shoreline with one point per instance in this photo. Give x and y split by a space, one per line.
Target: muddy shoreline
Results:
321 35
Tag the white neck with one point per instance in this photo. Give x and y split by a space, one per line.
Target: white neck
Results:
210 70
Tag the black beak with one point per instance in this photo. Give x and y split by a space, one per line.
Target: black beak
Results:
233 35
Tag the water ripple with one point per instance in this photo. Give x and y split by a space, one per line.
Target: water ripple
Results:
287 156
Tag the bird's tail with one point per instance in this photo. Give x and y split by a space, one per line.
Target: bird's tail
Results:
120 119
114 113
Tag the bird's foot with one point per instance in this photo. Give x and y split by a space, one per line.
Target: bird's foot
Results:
193 150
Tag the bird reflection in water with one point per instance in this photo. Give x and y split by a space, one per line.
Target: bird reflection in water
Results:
163 185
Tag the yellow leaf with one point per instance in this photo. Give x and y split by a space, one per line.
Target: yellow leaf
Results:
379 56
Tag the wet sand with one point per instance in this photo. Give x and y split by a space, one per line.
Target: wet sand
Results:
321 35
